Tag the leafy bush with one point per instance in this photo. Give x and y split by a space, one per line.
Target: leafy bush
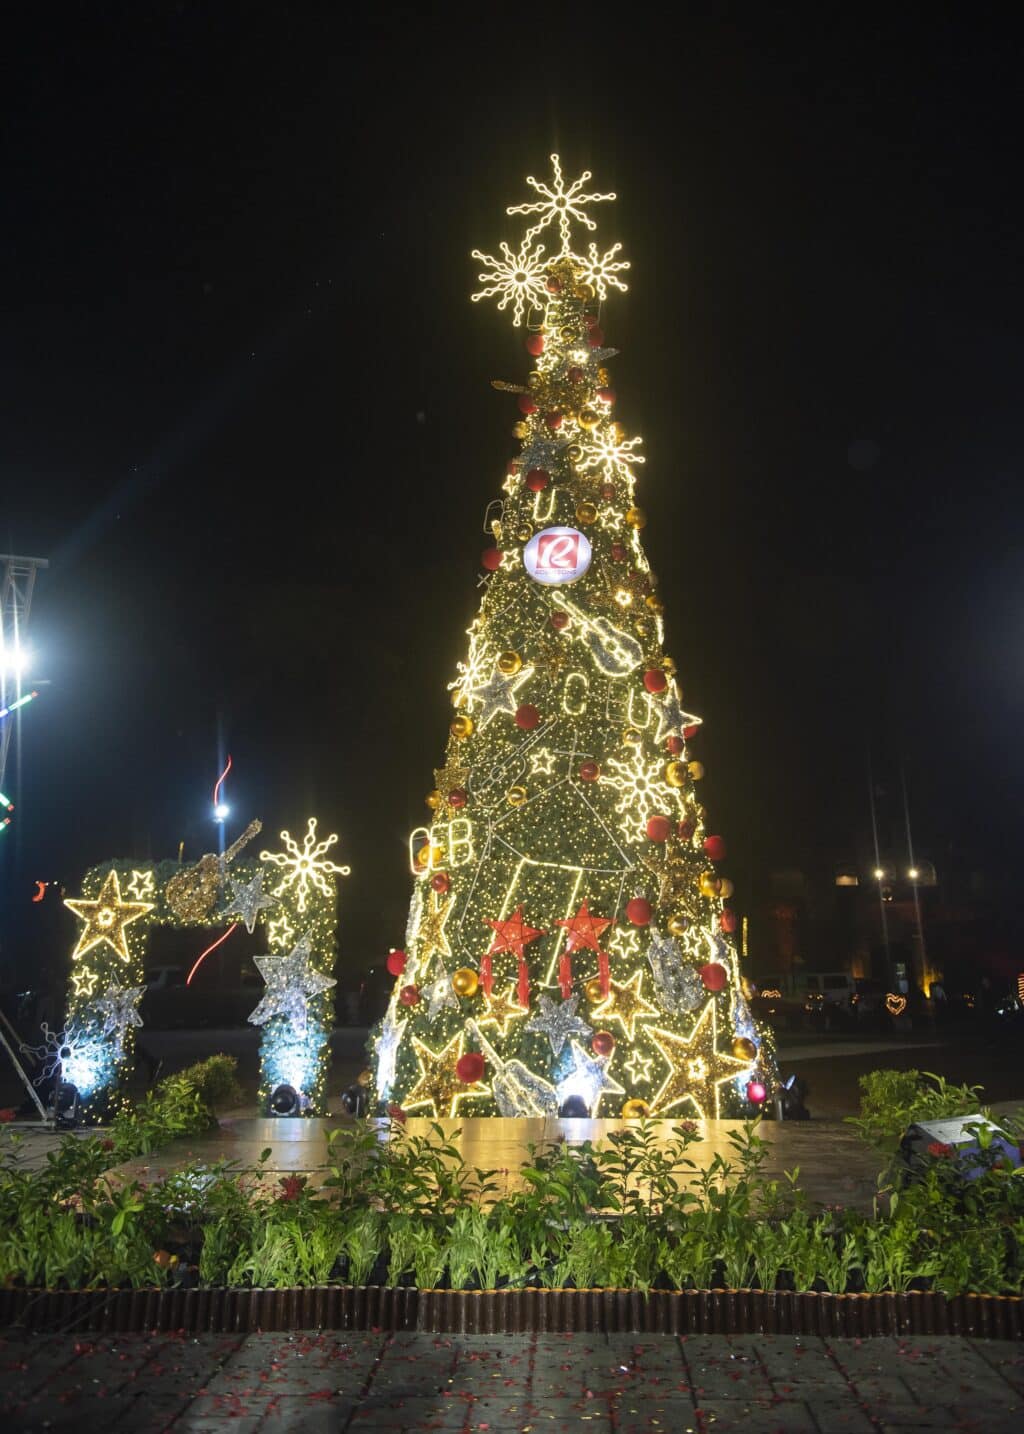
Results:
890 1101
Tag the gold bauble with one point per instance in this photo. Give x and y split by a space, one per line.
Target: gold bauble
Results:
586 512
677 925
364 1078
535 380
461 726
636 518
709 883
593 990
520 430
603 376
696 770
744 1049
567 334
516 796
675 774
465 981
433 799
654 603
726 888
589 419
668 665
631 737
586 292
635 1110
524 533
509 663
574 452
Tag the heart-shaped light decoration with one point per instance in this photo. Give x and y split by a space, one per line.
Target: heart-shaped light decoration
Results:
895 1005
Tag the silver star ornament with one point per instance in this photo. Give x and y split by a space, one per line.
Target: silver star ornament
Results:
558 1021
291 981
247 900
117 1005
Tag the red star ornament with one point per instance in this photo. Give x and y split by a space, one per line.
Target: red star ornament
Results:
511 935
582 931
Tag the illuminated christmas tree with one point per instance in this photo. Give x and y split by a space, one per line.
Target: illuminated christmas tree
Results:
569 946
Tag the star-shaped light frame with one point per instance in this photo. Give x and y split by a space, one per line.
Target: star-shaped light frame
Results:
106 918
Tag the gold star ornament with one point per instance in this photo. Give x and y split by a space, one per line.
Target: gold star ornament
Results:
439 1085
626 1004
501 1009
697 1069
106 918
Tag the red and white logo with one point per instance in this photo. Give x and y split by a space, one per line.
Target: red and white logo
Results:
557 555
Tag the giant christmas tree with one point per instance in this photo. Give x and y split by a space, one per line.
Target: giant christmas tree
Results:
569 944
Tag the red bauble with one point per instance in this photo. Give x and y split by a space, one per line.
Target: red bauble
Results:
526 404
490 559
602 1043
553 285
685 830
559 620
756 1093
440 882
527 717
397 1113
675 745
396 962
512 466
658 828
589 772
457 797
590 320
655 679
714 976
537 480
596 337
470 1067
535 345
728 921
691 731
409 995
638 911
575 375
714 848
608 492
619 552
553 420
606 395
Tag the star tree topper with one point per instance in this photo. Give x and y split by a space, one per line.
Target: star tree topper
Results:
291 982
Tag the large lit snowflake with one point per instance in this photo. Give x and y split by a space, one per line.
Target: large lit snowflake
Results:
611 456
518 278
602 270
304 868
643 791
558 205
58 1049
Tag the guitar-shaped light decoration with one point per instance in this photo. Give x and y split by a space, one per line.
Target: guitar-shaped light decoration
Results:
517 1089
615 652
192 893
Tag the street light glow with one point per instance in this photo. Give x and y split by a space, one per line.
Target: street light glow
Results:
913 873
879 873
14 661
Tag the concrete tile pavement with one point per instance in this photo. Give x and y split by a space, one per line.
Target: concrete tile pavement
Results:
319 1382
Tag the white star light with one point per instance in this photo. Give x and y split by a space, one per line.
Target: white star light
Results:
519 278
588 1078
387 1053
639 1068
603 270
558 205
558 1021
498 694
291 981
305 868
117 1005
440 996
671 717
247 900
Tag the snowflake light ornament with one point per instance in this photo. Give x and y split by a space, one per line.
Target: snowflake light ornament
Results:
611 456
642 791
518 278
304 868
57 1050
602 270
558 205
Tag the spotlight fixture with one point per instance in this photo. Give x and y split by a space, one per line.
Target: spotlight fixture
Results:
65 1106
285 1100
574 1108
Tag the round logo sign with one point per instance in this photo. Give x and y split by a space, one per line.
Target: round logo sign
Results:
557 555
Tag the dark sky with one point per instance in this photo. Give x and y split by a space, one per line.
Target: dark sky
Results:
246 407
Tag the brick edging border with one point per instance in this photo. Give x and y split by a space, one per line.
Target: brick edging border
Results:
387 1308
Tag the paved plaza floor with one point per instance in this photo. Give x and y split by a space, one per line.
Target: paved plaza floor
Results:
337 1382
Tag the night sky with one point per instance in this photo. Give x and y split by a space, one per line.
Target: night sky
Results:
246 409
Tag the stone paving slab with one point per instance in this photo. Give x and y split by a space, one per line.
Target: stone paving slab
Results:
329 1381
